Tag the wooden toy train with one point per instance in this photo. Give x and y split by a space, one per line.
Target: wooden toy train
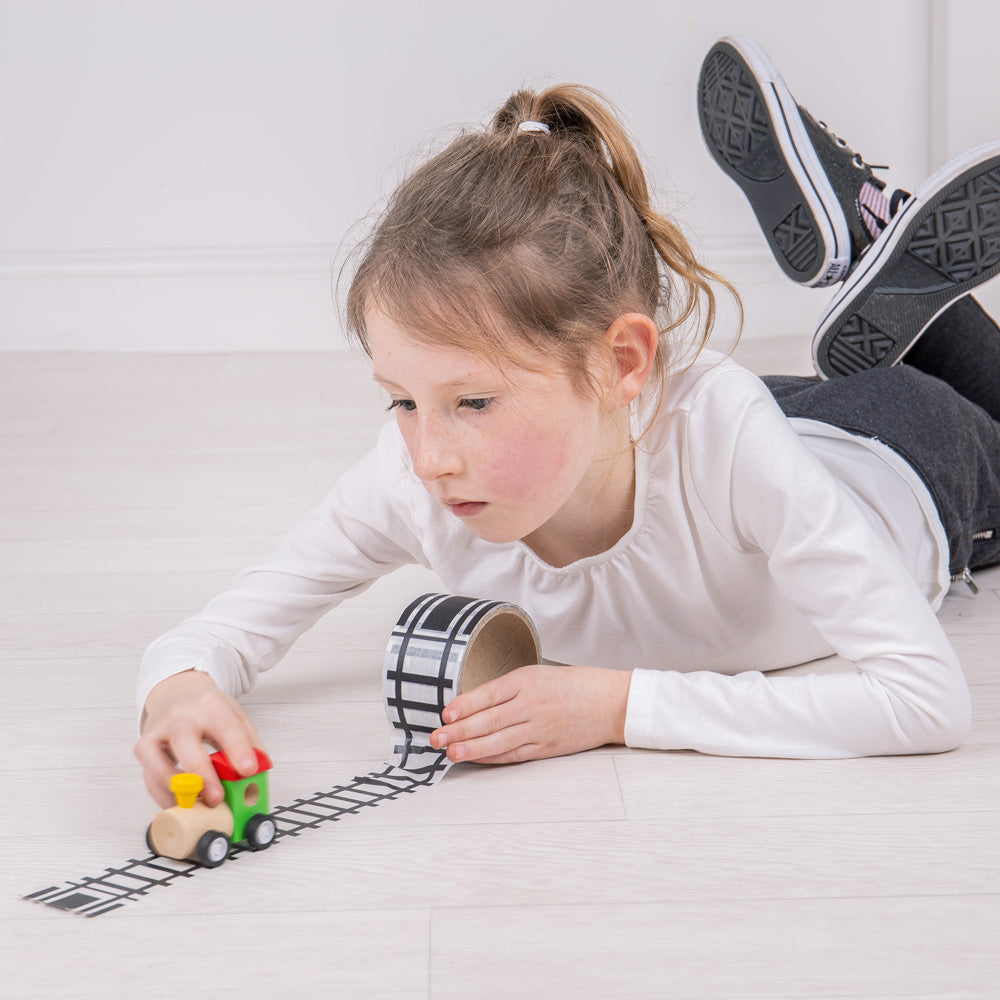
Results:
195 831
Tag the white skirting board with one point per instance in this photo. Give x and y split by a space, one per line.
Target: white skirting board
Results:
246 299
276 299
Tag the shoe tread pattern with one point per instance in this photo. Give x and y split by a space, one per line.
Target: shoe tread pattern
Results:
857 346
737 126
795 237
735 119
960 239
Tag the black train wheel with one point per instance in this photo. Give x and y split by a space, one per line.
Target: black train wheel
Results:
260 831
213 848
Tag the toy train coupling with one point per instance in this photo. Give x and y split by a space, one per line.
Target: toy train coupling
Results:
194 831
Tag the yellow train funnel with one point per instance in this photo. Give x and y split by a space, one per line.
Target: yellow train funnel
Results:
186 788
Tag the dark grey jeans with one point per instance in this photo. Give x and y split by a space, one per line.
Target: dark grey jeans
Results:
940 410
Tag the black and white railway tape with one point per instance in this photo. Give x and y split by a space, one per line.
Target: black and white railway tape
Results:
441 645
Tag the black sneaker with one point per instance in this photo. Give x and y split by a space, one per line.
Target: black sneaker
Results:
941 244
802 181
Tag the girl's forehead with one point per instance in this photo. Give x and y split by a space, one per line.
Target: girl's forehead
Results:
391 339
395 349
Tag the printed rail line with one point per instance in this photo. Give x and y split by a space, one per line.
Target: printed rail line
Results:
93 896
426 653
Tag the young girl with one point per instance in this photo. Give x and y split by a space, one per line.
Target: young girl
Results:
559 444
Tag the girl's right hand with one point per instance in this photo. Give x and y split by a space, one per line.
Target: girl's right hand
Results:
182 713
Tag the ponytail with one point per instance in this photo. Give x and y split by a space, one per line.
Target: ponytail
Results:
538 230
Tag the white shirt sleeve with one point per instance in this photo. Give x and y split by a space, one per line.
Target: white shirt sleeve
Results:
765 492
337 550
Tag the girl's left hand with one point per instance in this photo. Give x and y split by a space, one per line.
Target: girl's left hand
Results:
536 711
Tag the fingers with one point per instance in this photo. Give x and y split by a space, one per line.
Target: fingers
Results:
157 768
493 693
234 734
501 719
189 750
183 713
487 724
533 712
509 745
180 749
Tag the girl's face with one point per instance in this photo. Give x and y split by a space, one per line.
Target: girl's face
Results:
513 454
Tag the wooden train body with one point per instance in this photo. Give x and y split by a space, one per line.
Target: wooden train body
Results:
193 830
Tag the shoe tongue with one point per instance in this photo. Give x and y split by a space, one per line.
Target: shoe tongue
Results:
874 208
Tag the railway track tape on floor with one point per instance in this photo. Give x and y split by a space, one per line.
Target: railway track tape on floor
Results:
441 645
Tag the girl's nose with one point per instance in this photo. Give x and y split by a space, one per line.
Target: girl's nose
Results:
435 452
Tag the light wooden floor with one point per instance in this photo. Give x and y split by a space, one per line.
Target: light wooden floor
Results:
133 487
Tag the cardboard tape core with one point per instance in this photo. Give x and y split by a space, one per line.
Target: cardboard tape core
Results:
503 641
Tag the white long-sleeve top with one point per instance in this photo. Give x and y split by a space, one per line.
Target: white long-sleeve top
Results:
755 545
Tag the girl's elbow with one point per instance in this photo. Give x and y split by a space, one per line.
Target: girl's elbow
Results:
945 726
942 738
955 730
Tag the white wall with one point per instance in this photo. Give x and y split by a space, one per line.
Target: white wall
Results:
181 174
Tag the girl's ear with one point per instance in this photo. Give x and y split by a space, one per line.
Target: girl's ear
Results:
631 340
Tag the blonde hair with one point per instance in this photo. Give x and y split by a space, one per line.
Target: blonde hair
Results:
516 237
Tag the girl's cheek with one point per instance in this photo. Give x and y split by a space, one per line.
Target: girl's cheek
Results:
526 468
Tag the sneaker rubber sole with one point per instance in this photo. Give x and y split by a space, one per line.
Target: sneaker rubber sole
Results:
752 128
943 243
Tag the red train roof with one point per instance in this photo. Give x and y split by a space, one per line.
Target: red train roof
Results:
226 772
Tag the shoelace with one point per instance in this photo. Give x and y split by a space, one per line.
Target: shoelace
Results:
856 158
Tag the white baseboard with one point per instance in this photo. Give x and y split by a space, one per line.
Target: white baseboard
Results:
281 298
251 299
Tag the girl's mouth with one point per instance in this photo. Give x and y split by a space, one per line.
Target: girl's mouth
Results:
465 508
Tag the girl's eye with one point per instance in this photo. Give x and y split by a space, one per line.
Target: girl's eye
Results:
477 403
406 405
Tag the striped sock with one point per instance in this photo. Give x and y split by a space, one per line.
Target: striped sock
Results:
874 208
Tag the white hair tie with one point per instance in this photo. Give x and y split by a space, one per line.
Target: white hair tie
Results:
534 127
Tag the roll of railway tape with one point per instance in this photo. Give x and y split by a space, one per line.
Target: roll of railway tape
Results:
441 646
